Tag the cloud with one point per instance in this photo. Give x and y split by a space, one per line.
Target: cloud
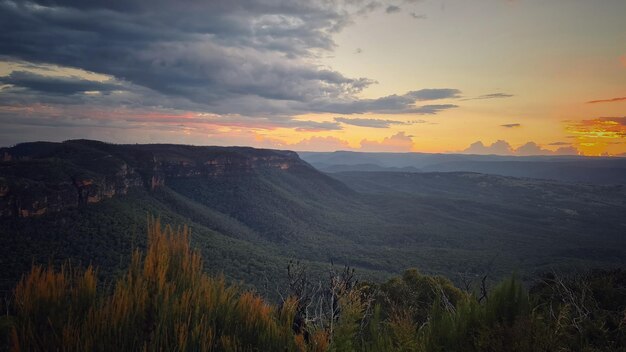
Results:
566 151
560 143
434 94
595 135
511 125
418 16
393 9
400 142
431 109
499 147
119 117
316 143
373 123
314 126
245 122
617 120
258 58
613 100
491 96
502 147
391 104
201 68
603 128
532 148
57 85
27 88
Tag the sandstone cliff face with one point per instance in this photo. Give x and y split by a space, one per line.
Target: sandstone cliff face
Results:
34 182
95 189
223 165
33 196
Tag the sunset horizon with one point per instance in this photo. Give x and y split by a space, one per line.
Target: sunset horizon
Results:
496 77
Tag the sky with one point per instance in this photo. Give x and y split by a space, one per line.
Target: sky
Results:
510 77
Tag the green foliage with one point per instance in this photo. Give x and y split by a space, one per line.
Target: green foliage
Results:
583 311
506 303
415 293
345 333
376 337
508 319
501 323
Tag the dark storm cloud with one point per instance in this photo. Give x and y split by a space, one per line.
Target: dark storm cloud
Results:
57 121
386 105
247 57
204 51
434 94
114 117
25 88
391 104
56 85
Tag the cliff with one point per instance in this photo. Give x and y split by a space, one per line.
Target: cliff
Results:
42 177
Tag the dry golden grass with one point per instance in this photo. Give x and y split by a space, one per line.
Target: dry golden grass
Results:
164 302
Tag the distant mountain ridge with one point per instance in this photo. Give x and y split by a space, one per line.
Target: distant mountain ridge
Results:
572 168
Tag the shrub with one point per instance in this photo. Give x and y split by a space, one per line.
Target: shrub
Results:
163 302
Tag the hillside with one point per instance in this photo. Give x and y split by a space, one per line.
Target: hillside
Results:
252 210
87 200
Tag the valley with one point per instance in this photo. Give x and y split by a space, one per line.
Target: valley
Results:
251 211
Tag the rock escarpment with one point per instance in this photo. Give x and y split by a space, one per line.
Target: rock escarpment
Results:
41 177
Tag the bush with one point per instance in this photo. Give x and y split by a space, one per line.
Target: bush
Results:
163 302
